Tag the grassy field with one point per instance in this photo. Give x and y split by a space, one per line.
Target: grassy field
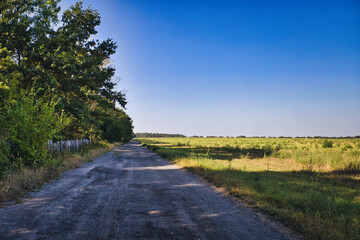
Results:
311 185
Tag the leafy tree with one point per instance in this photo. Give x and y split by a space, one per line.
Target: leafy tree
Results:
117 126
86 82
51 72
63 63
25 30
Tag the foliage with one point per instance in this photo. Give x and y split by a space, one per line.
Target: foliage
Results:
117 127
327 143
55 81
31 123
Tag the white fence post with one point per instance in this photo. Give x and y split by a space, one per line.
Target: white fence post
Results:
68 145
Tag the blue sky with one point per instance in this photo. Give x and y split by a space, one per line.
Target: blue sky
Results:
255 68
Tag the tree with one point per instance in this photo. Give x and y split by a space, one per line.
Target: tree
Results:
51 72
61 63
117 126
85 81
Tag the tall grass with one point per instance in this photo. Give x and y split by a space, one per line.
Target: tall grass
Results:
311 188
339 154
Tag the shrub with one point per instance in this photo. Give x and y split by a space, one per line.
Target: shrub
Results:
277 147
327 143
31 123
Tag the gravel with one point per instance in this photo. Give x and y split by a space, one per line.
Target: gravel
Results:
132 193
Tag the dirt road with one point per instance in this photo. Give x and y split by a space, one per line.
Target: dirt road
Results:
132 193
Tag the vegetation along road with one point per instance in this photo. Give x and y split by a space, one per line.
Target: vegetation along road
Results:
132 193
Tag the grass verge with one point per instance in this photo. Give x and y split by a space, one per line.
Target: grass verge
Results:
17 184
320 204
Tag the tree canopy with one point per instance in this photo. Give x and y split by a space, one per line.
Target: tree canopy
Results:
55 77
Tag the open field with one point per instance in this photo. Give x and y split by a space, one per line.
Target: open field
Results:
312 185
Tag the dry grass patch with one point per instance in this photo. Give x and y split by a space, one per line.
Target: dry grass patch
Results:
17 184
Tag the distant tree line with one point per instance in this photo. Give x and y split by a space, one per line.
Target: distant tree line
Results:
56 81
157 135
322 137
149 135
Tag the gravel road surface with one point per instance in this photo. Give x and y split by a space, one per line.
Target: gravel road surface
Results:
132 193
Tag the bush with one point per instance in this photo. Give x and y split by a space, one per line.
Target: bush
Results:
31 123
327 143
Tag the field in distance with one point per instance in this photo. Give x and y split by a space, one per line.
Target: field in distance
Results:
311 185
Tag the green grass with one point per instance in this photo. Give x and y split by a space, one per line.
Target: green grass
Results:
310 186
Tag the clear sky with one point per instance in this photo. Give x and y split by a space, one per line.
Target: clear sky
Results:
255 68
